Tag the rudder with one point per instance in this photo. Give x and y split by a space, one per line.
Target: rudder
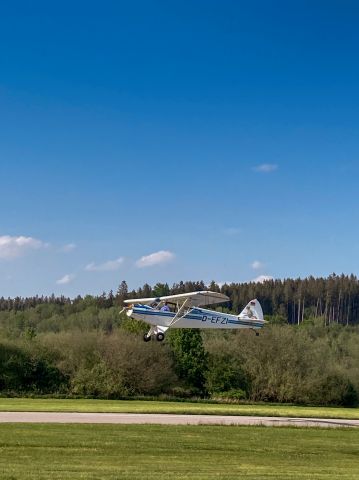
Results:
252 310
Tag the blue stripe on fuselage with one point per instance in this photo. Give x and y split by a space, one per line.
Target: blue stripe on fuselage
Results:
199 314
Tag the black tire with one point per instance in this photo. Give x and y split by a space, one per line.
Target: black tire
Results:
160 336
146 338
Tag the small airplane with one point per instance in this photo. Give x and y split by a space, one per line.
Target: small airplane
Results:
183 311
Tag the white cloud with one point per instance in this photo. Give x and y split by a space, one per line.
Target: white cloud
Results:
262 278
265 168
12 247
69 247
108 266
257 265
157 258
220 284
65 279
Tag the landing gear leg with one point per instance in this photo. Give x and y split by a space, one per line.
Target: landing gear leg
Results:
160 336
148 336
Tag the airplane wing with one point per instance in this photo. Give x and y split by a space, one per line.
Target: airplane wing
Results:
193 299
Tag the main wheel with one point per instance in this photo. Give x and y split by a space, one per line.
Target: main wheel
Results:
146 338
160 336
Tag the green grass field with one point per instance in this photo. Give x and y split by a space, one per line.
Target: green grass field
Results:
63 452
142 406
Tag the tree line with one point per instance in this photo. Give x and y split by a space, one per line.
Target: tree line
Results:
306 364
334 299
308 353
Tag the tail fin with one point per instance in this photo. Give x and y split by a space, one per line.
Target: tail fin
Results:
252 310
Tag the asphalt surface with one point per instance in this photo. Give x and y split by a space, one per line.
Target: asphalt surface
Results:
169 419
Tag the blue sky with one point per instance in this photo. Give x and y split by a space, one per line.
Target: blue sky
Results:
159 141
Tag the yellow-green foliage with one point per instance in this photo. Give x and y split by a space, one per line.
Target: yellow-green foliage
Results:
94 352
287 364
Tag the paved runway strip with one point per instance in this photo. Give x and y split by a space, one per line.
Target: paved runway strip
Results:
168 419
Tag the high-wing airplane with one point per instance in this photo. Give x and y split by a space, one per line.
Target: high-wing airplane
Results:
183 311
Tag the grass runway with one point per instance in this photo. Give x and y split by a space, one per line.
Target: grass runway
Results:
186 408
181 452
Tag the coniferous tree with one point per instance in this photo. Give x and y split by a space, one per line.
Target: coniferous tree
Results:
161 290
122 293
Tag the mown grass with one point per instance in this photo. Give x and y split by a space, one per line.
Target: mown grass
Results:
143 406
180 452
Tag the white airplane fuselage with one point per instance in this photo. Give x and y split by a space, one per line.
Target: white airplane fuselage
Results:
195 317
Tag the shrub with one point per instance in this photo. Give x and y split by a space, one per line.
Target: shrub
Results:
24 371
234 395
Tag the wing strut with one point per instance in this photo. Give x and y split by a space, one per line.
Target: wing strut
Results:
178 317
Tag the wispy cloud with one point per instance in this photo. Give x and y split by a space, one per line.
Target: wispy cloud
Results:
108 266
262 278
12 247
65 279
231 231
69 247
157 258
266 168
257 265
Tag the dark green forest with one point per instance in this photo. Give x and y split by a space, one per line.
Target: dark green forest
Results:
308 353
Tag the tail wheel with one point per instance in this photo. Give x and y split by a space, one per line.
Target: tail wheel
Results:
160 336
146 338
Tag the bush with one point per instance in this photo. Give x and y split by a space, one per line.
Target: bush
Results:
286 364
23 371
112 366
350 397
336 389
225 370
309 364
98 381
190 358
230 396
